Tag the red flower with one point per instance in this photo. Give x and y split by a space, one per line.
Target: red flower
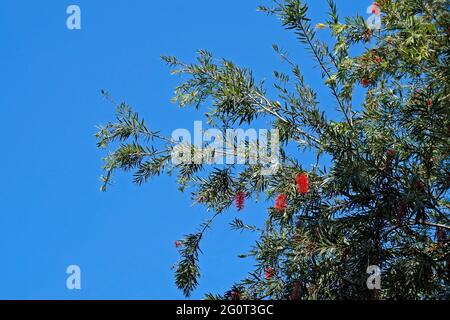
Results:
430 103
344 254
377 59
178 244
402 212
419 186
280 203
240 200
365 82
376 8
303 183
270 273
391 153
235 295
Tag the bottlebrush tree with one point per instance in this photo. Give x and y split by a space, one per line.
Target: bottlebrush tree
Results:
381 198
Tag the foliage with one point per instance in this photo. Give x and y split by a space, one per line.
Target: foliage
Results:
381 200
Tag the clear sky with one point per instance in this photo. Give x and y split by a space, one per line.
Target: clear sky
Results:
52 213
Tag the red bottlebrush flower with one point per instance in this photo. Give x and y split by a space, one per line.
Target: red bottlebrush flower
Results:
430 103
280 203
178 244
298 223
303 183
365 82
402 212
440 234
376 8
240 200
235 295
419 186
377 59
270 273
391 153
344 254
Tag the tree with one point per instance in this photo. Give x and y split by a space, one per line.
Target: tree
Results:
382 200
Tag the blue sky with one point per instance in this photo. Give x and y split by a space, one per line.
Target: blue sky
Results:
52 213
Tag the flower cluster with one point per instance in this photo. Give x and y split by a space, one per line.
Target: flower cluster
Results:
178 244
270 273
240 200
303 183
280 203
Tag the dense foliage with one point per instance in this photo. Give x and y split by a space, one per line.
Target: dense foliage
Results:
380 198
